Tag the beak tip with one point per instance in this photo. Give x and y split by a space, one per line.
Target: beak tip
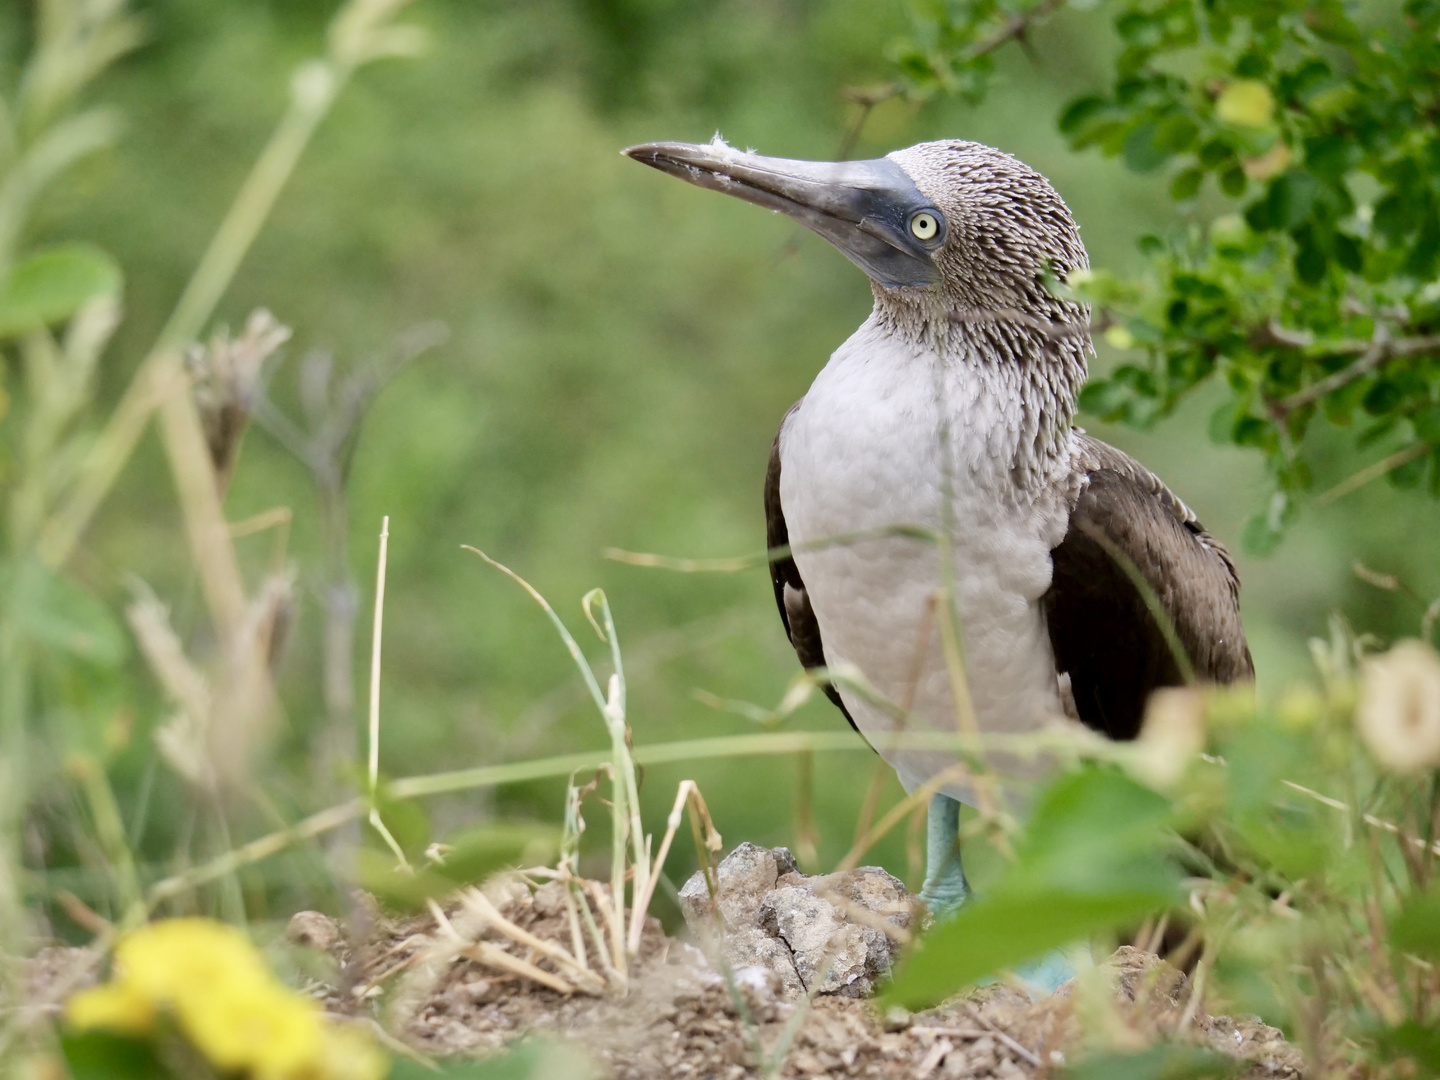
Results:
645 153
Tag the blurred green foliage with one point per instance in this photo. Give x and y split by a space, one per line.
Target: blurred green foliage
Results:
1316 912
1316 119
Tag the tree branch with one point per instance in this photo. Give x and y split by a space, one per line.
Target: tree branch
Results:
1015 29
1373 354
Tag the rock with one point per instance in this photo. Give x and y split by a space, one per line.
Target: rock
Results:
752 948
315 930
742 880
821 934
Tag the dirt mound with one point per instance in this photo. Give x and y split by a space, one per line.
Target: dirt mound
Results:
769 1004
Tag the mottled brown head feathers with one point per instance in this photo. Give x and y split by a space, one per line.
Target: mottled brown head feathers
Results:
1007 227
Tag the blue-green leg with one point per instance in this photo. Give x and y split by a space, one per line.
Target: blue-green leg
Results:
945 891
945 888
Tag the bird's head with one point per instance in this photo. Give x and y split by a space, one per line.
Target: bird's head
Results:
954 222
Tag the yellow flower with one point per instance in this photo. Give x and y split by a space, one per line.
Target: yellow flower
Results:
351 1054
266 1031
114 1007
1246 103
227 1002
1399 709
181 959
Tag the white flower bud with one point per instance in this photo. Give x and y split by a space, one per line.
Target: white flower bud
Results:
1172 735
1399 710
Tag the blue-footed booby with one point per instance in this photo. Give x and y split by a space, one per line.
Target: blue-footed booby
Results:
950 411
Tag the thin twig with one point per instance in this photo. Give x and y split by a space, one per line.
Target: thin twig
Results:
643 894
1369 819
1014 30
1373 472
1024 1052
1373 354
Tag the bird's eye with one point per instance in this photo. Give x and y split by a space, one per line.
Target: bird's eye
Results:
924 225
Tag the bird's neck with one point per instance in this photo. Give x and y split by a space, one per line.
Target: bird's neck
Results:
1029 367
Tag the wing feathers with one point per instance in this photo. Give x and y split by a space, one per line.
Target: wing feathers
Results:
1102 631
801 626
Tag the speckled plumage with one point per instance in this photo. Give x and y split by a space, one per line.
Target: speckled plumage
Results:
951 408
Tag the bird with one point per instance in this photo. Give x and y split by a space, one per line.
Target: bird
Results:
936 455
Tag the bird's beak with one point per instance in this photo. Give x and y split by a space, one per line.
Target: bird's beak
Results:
864 208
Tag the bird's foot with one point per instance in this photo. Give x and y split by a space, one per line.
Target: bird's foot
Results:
1046 974
945 893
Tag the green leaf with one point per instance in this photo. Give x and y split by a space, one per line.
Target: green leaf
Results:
469 858
96 1056
1091 859
1310 261
1291 197
1001 931
1245 103
1104 398
1095 831
1427 424
1258 536
51 285
1409 475
477 853
1215 153
55 612
1080 112
1173 1062
1416 927
1186 184
1143 151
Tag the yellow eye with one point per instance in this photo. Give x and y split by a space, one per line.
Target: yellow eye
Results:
924 226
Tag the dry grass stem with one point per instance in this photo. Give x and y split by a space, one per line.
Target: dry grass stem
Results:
480 904
374 748
688 792
485 953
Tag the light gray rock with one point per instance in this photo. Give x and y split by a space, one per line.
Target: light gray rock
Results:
752 948
818 934
742 880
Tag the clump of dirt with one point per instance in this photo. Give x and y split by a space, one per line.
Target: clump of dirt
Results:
768 1003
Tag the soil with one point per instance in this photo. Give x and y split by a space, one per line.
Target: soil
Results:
682 1017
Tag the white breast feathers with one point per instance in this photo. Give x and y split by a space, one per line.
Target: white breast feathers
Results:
867 450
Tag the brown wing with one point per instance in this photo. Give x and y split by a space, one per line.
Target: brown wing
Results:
1101 629
801 626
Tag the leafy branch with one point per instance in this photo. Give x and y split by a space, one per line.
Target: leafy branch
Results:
1312 293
